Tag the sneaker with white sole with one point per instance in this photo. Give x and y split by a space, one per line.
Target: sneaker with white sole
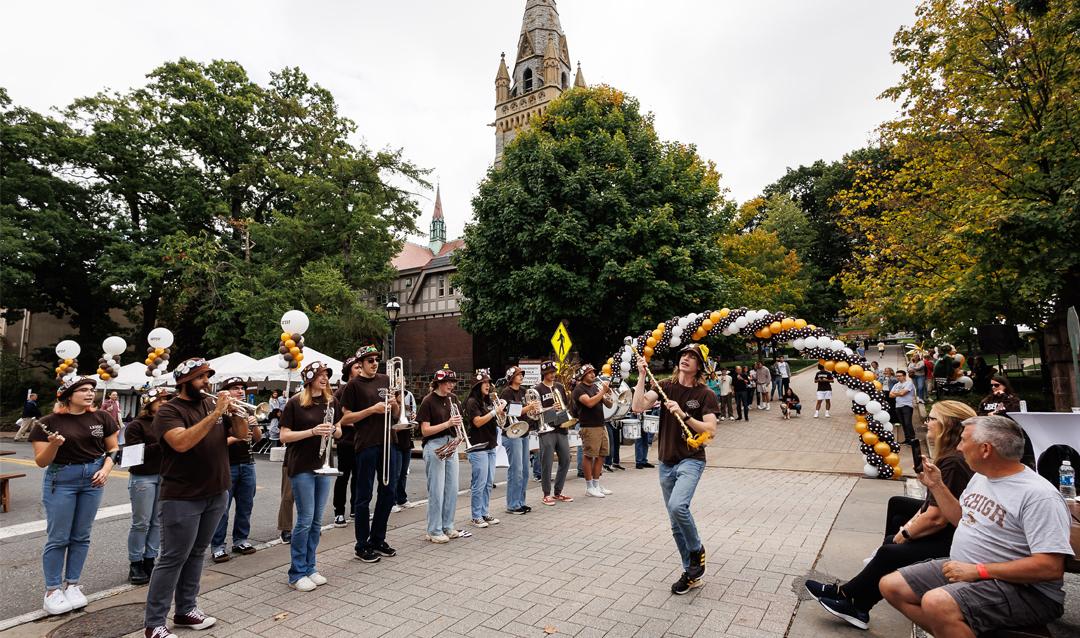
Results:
74 595
304 584
826 414
194 619
491 520
408 505
815 414
56 603
161 631
317 578
479 522
438 539
604 490
594 491
339 521
395 509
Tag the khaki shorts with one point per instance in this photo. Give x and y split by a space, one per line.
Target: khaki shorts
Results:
985 604
594 441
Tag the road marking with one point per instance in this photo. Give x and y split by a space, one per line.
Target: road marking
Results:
40 526
29 463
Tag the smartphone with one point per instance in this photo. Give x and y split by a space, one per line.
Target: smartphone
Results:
916 455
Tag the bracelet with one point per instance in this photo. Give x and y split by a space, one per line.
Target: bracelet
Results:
983 572
904 533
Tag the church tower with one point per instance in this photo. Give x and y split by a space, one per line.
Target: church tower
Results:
437 235
541 73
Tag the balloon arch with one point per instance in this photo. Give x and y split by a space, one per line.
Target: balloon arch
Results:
869 402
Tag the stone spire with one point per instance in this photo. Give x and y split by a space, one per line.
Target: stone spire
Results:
437 236
579 79
540 31
502 81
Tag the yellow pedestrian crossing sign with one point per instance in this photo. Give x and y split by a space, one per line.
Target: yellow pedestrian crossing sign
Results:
561 342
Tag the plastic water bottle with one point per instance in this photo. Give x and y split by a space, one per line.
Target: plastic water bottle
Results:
1067 481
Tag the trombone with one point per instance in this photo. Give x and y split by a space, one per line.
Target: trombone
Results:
395 370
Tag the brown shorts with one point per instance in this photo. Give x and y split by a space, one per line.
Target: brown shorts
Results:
594 441
985 604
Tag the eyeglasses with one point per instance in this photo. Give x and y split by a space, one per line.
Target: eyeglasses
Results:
996 385
927 420
371 360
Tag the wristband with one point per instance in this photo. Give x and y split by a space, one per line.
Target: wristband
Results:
114 456
904 533
983 572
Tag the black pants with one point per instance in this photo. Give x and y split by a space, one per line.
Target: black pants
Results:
905 412
346 461
863 588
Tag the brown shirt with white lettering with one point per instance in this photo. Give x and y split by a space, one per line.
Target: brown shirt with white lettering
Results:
303 455
203 471
84 435
696 401
359 394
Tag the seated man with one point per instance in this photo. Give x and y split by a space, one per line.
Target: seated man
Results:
1007 560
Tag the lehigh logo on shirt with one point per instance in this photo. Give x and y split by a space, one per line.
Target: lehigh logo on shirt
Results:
97 431
693 404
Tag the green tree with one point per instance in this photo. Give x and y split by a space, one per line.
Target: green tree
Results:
763 273
594 220
970 223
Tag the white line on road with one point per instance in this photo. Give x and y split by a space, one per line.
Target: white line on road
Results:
40 526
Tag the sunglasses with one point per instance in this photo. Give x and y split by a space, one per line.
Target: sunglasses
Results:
996 385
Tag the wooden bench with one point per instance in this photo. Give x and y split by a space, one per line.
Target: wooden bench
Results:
5 489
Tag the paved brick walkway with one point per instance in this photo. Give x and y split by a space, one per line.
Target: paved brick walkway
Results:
589 568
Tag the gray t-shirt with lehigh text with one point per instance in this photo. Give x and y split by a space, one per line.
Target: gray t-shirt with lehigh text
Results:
1010 518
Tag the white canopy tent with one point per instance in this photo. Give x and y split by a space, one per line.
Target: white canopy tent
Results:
132 377
234 364
267 369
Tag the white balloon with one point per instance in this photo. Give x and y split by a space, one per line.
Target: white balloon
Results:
870 471
67 349
762 313
156 373
810 342
863 398
741 322
675 341
114 346
799 344
160 338
882 416
294 322
837 345
282 363
625 367
873 407
848 350
849 392
677 331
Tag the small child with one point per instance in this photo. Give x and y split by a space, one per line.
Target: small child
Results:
788 402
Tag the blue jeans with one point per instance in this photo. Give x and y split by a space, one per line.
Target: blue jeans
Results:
144 537
517 475
641 448
243 492
367 470
614 434
777 387
920 386
536 465
309 494
442 486
480 487
678 482
70 506
404 457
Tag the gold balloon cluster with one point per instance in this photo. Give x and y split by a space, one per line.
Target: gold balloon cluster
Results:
108 367
157 360
65 367
291 349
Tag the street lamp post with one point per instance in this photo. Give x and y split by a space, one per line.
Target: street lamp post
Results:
393 309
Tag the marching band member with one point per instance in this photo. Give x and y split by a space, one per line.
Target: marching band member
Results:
438 428
362 400
242 475
481 415
193 436
594 439
555 442
681 466
144 483
78 446
402 448
517 450
346 458
307 418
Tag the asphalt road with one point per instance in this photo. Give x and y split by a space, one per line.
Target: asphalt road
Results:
22 585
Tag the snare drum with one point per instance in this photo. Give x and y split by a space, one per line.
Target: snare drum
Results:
631 428
652 424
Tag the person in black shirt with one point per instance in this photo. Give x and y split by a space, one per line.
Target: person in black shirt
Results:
743 390
517 450
554 442
30 412
144 484
482 416
590 410
242 473
823 378
346 460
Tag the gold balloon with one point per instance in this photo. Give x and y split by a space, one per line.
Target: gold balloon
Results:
855 371
290 344
647 351
881 448
897 472
285 336
861 418
787 324
105 376
724 312
650 342
861 427
830 366
606 369
765 333
877 385
800 323
869 438
775 327
660 326
841 367
68 362
868 375
892 458
715 316
707 325
159 351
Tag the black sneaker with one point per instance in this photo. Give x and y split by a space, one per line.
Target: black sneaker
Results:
148 566
697 564
385 549
581 474
607 468
526 508
286 537
368 556
647 465
339 521
520 510
137 574
244 548
617 466
194 619
220 556
685 584
821 590
843 608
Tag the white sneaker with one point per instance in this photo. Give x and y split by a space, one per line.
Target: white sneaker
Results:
395 509
317 578
479 522
815 414
408 505
75 596
439 538
826 413
768 405
304 584
594 491
56 603
604 490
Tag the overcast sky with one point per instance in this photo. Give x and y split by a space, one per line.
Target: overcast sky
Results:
757 86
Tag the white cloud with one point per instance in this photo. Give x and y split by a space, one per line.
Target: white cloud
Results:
758 86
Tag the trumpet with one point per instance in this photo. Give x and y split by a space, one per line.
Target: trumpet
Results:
326 448
447 450
500 416
243 408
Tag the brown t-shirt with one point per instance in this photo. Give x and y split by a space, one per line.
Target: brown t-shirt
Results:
696 402
434 410
512 396
547 399
955 474
201 472
139 430
359 394
487 433
588 417
303 455
84 435
348 432
998 404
